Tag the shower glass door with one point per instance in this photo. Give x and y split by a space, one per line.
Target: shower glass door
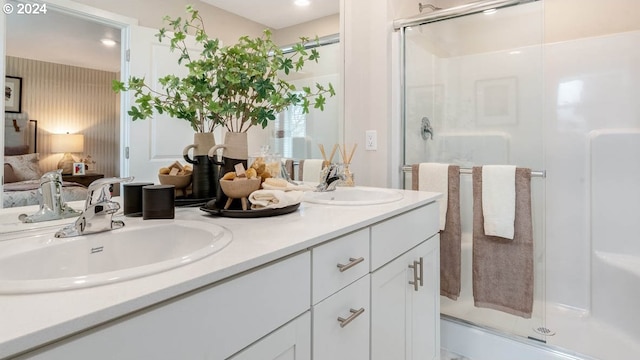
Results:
473 96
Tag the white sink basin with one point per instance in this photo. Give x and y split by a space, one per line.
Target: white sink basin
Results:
354 196
43 263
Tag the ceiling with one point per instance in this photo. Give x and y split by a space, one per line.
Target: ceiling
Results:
62 39
66 39
278 14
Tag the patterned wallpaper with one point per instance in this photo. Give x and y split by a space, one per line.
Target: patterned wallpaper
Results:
71 99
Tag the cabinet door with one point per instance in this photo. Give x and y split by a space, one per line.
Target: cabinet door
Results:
213 323
341 324
424 306
405 320
290 342
389 314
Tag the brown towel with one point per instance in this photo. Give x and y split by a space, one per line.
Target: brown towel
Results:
300 169
288 166
503 268
450 237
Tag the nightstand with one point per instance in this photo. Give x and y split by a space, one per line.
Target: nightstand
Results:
85 179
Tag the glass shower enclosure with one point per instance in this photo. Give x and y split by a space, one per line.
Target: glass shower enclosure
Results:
472 90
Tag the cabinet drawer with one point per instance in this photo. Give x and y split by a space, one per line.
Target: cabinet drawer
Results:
339 263
351 340
393 237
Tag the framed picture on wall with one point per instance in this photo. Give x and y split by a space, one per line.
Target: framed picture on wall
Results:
13 94
496 101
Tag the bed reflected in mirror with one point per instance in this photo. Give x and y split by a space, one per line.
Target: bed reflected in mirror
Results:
22 170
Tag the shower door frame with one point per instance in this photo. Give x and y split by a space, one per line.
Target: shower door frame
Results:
400 27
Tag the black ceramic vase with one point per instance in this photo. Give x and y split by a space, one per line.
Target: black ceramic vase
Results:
204 180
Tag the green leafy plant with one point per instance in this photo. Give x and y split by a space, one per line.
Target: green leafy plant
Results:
236 86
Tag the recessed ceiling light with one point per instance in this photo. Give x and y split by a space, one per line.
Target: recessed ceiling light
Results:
302 2
108 42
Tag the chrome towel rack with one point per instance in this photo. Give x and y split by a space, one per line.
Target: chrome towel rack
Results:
468 171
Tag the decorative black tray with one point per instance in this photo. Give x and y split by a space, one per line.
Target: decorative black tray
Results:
191 202
239 213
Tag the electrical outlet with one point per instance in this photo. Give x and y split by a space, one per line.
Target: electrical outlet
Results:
371 140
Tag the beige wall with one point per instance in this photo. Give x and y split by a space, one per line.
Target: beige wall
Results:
327 25
219 23
224 25
574 19
71 99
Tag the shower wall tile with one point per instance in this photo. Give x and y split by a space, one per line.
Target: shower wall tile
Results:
590 84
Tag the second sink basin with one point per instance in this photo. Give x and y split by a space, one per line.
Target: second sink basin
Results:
42 263
354 196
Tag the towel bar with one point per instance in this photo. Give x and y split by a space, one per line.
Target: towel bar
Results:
468 171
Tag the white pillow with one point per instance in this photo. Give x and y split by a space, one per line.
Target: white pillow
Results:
25 167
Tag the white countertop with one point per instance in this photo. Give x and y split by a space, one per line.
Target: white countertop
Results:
27 321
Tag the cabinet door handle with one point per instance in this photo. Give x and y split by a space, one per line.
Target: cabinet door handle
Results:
421 262
352 262
416 280
354 314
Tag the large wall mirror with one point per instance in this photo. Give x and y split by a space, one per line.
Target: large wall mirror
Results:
66 61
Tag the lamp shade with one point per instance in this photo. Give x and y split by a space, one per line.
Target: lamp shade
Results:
67 143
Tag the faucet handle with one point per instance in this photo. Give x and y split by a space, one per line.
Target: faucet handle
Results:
99 189
54 175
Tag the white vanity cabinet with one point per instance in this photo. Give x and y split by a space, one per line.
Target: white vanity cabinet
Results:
370 294
405 292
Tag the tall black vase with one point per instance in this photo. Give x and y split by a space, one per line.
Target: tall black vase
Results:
204 182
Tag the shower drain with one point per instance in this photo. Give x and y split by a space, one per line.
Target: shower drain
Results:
544 331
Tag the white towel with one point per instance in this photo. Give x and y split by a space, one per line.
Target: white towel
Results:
435 177
274 199
311 170
499 200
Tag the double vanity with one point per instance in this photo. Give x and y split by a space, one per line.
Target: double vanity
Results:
352 274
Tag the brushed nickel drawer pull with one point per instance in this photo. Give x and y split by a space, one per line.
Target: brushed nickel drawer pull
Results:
353 262
354 314
421 262
415 281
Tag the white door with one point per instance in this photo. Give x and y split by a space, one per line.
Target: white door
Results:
159 141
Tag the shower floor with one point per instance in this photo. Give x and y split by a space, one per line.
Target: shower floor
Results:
576 335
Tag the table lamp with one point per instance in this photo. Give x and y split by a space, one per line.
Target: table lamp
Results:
67 144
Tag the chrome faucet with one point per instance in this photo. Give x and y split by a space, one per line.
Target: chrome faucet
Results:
98 210
52 205
331 178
